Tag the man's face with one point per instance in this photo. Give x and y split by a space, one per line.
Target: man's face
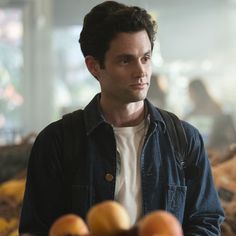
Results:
126 75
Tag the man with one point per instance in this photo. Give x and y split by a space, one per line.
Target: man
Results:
128 155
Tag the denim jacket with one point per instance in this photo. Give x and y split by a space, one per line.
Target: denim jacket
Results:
190 195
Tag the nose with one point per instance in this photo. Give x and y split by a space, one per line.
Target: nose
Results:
140 70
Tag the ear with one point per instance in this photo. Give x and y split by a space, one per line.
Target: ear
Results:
93 66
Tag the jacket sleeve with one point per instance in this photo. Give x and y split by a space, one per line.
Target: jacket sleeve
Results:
43 199
203 211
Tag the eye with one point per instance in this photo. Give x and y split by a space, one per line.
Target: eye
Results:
124 61
146 58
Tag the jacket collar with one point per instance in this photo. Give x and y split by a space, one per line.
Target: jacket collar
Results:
155 115
94 117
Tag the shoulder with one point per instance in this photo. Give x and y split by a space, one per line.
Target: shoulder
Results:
49 142
193 136
190 130
47 150
52 132
195 151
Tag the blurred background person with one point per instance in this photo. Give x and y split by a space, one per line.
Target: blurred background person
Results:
215 125
203 102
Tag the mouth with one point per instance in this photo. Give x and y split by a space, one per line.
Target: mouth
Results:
139 86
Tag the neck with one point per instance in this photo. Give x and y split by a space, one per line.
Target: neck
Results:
123 115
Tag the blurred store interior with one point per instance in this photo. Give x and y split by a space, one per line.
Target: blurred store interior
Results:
42 71
43 75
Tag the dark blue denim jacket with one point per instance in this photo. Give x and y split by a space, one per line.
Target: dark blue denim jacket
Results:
190 195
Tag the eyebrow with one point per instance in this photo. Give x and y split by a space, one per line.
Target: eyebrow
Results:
126 55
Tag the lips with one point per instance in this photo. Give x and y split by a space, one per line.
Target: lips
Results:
139 85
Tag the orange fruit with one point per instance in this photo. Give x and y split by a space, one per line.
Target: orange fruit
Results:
107 218
69 224
159 222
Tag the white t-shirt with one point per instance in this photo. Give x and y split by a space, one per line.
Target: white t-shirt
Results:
129 144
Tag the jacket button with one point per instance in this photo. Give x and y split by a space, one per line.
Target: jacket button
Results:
109 177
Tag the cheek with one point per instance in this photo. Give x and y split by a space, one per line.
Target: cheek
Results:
118 75
149 72
149 67
111 79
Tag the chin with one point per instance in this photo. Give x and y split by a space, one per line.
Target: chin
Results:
134 96
142 95
138 98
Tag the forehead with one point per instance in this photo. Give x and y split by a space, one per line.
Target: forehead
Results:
133 43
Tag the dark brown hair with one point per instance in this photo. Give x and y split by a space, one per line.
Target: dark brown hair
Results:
106 20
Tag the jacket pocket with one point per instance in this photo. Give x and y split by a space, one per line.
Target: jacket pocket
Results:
175 200
80 199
